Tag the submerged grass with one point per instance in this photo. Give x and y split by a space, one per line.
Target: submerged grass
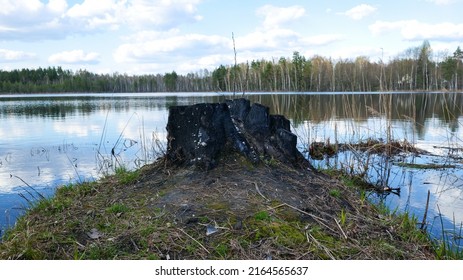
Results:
271 211
425 166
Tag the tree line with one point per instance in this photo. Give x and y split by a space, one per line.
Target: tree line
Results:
415 69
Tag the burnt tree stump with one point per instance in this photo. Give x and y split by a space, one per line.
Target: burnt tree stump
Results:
199 134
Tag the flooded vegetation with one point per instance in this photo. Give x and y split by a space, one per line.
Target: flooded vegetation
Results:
406 144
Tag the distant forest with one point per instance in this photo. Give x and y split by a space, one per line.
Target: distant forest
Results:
416 69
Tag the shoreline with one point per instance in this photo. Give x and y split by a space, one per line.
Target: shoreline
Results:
193 93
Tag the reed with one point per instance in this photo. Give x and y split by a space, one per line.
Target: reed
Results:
31 191
377 154
445 248
129 153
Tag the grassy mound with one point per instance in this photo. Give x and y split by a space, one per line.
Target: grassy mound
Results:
236 211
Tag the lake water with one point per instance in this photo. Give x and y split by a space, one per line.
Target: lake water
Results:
51 140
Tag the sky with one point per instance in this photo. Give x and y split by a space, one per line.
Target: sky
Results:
188 36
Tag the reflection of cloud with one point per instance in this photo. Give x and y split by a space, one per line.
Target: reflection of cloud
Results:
446 192
62 165
79 130
13 131
136 127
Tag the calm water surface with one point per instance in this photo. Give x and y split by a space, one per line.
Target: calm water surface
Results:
51 140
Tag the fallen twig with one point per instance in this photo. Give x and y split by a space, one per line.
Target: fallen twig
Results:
339 226
192 238
320 245
258 191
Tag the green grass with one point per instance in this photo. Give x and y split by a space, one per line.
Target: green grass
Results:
262 216
335 193
117 208
127 177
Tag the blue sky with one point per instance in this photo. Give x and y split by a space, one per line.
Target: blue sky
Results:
159 36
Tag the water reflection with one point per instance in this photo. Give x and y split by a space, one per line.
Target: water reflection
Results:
48 140
408 107
416 107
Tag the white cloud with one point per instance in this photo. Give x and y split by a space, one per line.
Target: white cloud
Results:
157 51
92 8
29 20
74 57
163 13
264 40
27 6
14 56
161 48
275 16
360 11
57 6
441 2
20 13
282 41
137 14
358 51
324 39
382 27
414 30
94 14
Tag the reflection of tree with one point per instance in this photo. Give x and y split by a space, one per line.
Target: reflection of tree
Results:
416 108
410 107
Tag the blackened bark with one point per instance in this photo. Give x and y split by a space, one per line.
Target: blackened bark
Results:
200 134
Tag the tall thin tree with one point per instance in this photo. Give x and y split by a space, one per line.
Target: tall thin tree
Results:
234 68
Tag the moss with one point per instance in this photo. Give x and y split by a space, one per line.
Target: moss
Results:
283 232
192 247
222 250
203 220
262 216
218 205
117 208
148 230
335 193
